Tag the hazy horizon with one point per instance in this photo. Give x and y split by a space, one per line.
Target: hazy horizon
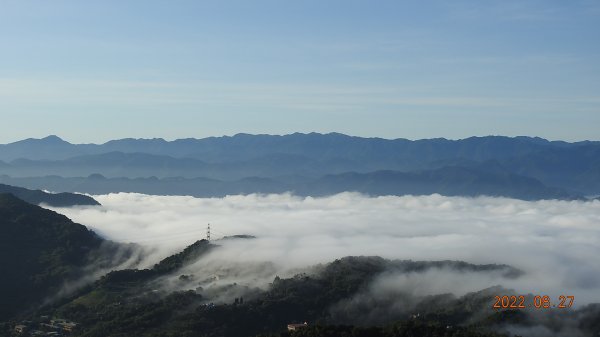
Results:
103 141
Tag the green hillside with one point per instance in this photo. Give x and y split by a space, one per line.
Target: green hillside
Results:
39 250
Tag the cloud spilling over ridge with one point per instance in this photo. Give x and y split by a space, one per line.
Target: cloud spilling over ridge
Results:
556 243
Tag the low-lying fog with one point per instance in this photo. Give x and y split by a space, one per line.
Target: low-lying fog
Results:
556 243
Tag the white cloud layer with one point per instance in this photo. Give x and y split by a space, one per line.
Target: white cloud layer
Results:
556 243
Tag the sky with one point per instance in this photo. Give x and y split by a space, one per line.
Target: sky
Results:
91 71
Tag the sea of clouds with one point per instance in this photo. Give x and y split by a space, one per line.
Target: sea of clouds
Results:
556 243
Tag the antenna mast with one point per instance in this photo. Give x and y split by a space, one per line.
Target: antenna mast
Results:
208 233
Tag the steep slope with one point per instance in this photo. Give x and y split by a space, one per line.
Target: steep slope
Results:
39 250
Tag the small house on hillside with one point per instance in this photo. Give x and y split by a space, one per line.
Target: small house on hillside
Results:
296 326
20 329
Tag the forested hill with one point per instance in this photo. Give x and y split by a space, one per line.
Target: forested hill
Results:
52 199
337 298
39 251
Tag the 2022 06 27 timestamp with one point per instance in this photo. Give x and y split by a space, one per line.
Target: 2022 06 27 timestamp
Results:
536 302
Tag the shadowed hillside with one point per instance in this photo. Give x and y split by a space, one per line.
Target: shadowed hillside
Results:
52 199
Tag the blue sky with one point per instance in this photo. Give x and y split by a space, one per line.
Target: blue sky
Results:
90 71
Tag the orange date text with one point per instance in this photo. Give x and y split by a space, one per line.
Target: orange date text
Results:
536 302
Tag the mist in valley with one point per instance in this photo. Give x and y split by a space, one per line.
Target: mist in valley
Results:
554 243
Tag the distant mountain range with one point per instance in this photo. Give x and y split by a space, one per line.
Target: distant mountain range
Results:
313 145
312 164
449 181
